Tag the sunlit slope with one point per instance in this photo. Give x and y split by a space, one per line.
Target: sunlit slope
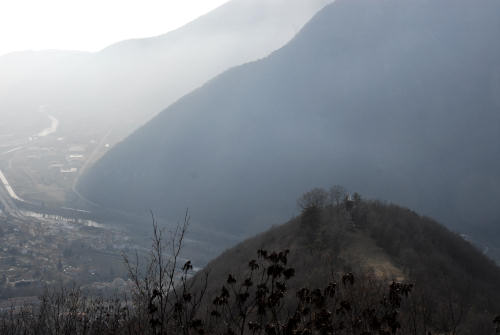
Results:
396 99
126 84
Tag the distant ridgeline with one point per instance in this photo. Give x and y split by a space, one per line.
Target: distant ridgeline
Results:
124 85
397 99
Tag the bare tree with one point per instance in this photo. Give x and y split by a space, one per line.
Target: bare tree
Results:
314 199
337 194
162 291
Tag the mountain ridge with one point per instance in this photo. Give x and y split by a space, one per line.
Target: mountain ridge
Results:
135 79
341 103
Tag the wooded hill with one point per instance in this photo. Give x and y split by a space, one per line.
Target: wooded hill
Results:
455 286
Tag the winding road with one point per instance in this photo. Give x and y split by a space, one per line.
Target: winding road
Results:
54 124
7 194
6 198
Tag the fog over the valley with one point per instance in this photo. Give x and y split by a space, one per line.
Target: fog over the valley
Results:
60 111
127 83
222 177
239 112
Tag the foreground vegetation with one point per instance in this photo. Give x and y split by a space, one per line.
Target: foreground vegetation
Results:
425 280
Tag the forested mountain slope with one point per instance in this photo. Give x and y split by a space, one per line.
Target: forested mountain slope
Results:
396 99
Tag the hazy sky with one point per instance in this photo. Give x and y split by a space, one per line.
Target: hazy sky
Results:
90 25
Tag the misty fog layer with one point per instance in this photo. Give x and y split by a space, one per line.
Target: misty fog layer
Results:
398 100
126 84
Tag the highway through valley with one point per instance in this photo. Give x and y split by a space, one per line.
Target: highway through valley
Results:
7 200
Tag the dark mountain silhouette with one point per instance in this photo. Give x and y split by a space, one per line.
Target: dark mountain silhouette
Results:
396 99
